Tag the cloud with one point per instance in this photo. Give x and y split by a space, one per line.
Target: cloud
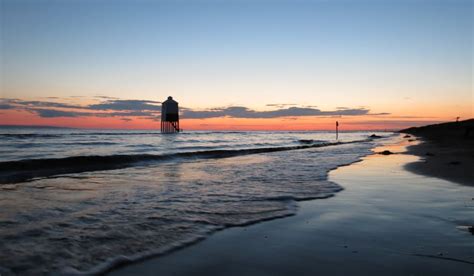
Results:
45 104
128 114
137 105
6 106
244 112
151 110
107 108
105 97
281 105
51 113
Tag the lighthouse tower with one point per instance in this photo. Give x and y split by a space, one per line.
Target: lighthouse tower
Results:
169 116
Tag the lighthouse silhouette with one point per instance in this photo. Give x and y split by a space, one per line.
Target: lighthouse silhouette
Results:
169 116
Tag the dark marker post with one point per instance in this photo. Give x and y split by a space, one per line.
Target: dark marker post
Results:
337 129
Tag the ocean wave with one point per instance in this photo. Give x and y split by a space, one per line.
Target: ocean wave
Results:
28 135
23 145
88 143
25 170
311 141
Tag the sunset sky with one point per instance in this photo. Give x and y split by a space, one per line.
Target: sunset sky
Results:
256 65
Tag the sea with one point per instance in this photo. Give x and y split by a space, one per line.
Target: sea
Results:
84 201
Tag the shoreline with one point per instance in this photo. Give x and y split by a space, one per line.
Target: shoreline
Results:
119 262
446 151
443 161
292 238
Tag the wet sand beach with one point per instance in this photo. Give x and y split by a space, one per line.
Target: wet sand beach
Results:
387 221
447 151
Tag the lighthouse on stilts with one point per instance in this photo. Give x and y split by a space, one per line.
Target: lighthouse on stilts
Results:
170 116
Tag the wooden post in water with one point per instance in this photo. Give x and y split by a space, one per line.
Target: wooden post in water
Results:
169 116
337 130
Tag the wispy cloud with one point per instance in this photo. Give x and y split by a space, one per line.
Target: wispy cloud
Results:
6 106
108 108
52 113
17 103
281 105
244 112
137 105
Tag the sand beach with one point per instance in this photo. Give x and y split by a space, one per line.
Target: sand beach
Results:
447 151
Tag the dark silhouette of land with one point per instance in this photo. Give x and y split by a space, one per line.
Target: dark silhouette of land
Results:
447 151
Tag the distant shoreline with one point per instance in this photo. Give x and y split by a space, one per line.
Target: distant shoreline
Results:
447 151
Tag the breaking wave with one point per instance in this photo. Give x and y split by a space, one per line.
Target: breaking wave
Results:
24 170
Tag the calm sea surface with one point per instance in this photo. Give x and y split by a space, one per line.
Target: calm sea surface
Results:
83 200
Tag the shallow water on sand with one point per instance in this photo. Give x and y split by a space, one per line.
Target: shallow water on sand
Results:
78 222
386 221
